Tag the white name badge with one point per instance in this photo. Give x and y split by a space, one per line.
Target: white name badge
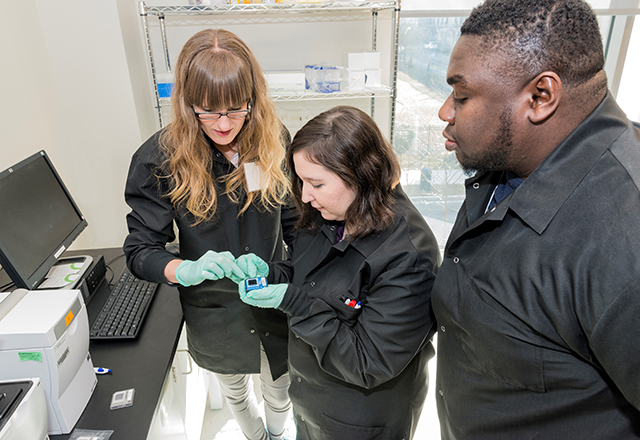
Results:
253 174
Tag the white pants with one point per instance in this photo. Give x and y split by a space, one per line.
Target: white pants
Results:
238 391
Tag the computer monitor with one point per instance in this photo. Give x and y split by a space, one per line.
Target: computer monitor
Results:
38 220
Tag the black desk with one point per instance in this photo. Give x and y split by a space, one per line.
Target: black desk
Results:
142 363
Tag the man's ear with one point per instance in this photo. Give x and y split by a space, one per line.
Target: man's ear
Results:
544 96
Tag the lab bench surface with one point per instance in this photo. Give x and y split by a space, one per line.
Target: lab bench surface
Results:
142 364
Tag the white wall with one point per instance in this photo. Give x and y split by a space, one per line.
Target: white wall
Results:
67 89
28 89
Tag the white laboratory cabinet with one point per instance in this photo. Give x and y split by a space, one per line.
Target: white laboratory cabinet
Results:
187 391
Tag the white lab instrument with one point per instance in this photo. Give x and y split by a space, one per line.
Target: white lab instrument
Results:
289 81
23 410
45 334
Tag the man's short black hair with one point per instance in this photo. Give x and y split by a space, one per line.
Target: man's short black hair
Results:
561 36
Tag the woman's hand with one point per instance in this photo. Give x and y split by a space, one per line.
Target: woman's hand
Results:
252 266
267 297
211 266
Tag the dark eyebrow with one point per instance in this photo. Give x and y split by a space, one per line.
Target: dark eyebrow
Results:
457 79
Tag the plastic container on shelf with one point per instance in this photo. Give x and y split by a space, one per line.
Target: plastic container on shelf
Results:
165 84
324 78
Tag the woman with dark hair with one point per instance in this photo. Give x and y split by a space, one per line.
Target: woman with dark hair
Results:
357 288
216 172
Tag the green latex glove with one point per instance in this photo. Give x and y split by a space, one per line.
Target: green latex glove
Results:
211 266
252 266
269 297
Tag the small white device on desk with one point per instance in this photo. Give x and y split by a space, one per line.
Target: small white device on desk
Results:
45 334
23 410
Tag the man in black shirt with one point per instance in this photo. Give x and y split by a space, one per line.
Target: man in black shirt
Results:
538 298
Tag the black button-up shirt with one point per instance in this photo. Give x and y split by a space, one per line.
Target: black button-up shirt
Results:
538 301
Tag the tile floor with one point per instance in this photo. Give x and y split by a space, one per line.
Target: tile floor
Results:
220 425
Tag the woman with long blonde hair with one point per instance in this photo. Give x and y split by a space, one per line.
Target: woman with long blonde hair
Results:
217 172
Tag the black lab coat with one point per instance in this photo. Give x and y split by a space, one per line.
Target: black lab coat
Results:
360 373
223 333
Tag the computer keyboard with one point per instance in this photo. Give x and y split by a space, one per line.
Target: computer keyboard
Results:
122 315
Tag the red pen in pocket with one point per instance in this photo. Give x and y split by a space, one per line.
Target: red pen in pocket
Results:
351 302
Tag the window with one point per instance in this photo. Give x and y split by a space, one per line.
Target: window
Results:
430 174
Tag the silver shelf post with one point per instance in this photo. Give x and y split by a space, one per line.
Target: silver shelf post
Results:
165 46
394 80
374 46
145 24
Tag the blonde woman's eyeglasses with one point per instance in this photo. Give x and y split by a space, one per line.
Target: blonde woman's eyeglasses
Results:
214 116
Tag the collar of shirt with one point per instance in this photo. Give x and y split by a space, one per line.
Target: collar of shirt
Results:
508 183
217 156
